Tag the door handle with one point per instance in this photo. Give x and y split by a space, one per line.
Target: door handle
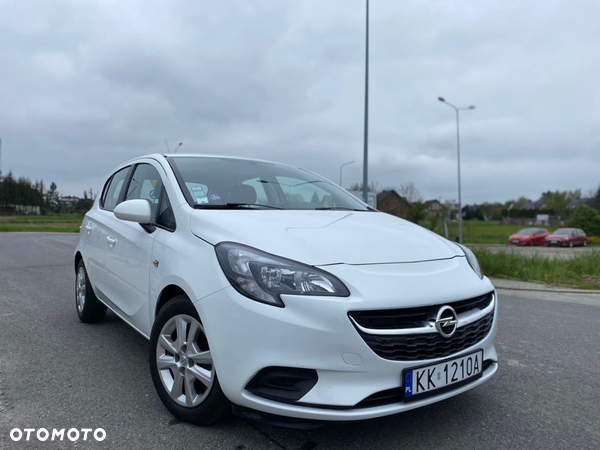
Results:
89 228
111 241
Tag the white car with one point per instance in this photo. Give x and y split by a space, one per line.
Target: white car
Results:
269 289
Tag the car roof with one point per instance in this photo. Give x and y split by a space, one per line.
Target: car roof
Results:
163 157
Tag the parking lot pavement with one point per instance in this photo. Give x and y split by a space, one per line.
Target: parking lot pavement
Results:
56 372
541 250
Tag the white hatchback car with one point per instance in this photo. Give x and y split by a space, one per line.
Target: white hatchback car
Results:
270 289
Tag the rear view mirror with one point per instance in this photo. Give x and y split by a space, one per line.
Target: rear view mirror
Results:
138 210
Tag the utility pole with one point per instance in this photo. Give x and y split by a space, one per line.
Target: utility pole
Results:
366 129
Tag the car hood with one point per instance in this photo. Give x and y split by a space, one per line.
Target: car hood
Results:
324 237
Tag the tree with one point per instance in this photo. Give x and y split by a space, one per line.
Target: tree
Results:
558 202
410 192
491 211
52 196
359 187
434 221
596 201
586 218
417 212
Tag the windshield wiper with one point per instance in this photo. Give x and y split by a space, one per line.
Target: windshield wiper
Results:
338 208
234 206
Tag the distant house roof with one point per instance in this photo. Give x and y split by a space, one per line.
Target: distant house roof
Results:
530 205
581 202
434 205
385 194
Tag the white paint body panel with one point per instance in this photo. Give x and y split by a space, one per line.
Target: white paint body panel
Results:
325 237
384 261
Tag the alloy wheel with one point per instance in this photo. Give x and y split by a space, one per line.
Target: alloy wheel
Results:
81 289
184 361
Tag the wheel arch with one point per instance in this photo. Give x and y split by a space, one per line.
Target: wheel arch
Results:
167 294
78 258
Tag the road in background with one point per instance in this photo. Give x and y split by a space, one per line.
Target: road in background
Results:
539 250
56 372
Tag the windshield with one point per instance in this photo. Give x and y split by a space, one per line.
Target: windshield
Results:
563 231
527 231
223 183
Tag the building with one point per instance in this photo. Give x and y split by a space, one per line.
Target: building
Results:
393 203
434 207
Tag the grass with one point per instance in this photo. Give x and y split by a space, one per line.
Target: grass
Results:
480 232
66 223
493 232
582 272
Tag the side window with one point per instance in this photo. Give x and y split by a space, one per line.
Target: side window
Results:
146 184
113 192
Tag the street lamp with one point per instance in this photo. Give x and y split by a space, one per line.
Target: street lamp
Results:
366 125
458 109
180 144
341 167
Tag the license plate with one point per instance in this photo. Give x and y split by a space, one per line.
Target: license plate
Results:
426 379
554 242
515 242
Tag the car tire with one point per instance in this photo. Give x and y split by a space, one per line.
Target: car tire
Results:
89 308
585 243
189 398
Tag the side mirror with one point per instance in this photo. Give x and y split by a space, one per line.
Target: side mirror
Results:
138 210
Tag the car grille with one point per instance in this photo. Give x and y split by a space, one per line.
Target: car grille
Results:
426 345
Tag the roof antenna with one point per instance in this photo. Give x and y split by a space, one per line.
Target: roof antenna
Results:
180 144
167 144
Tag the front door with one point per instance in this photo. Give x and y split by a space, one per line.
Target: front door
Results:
129 251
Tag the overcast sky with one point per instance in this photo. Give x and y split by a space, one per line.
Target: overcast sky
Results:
87 85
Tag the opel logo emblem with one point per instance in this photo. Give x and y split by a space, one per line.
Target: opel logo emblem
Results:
446 321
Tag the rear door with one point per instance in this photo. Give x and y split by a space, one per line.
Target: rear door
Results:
129 248
94 229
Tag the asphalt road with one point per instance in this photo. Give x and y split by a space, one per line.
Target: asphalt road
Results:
56 372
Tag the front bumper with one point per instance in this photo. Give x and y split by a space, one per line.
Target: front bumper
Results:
316 333
557 243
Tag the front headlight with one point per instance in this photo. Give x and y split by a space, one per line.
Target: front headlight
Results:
264 277
472 259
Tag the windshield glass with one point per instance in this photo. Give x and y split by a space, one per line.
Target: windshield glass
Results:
212 182
527 231
563 231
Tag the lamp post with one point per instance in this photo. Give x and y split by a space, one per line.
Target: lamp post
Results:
180 144
366 127
457 109
341 167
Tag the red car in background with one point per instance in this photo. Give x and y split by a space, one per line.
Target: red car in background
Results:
567 237
529 236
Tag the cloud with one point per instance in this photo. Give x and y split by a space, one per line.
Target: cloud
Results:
88 85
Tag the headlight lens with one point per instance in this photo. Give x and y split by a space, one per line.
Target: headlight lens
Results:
264 277
472 259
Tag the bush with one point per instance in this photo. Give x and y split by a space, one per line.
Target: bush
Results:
587 219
